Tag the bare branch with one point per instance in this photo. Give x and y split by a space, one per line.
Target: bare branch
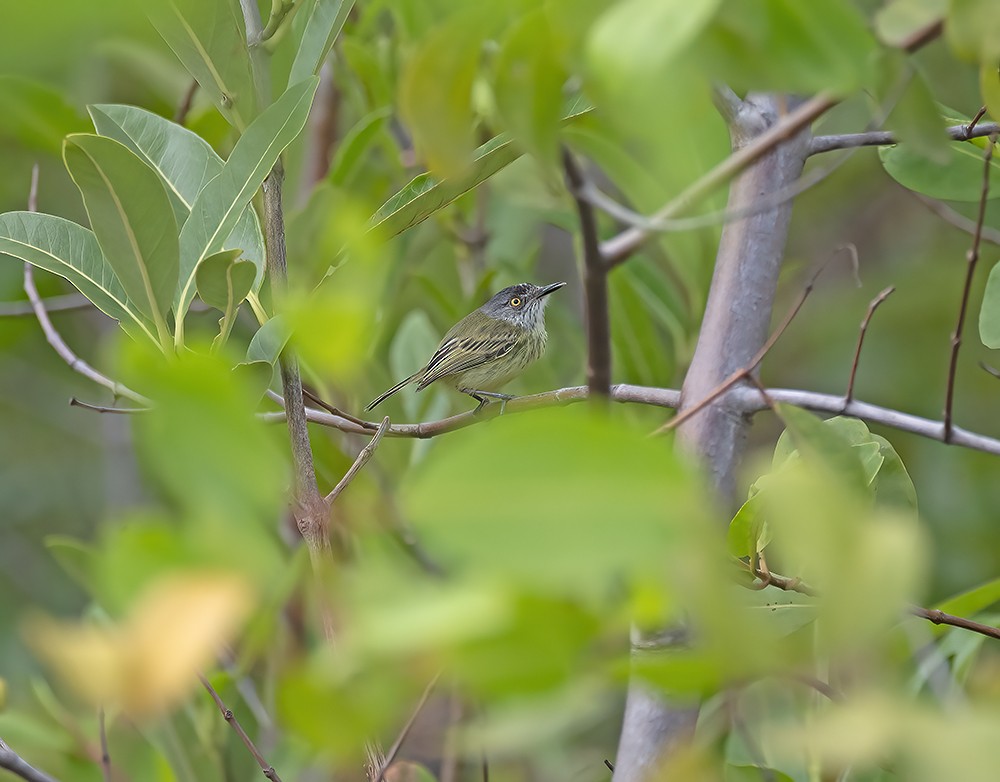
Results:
971 259
886 138
366 453
620 248
229 717
398 743
74 402
975 121
15 764
595 284
872 306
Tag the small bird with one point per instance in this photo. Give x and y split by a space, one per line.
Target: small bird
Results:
489 347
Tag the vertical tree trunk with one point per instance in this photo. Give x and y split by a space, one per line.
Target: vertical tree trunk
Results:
735 326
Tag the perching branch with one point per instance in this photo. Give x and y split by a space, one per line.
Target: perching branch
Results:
971 259
234 723
595 284
15 764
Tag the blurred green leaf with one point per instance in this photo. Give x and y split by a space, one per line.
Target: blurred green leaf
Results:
202 443
425 195
217 209
324 20
973 30
815 439
71 251
959 178
989 86
75 557
528 86
539 516
209 38
823 45
132 219
913 116
36 115
435 91
972 601
898 20
268 341
355 144
185 163
413 344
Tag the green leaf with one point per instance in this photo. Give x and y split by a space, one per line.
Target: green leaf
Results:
354 145
784 611
217 209
132 219
209 38
185 163
989 315
323 24
815 440
898 20
973 30
528 86
71 251
573 472
424 195
223 282
268 342
435 93
972 601
958 178
819 45
75 557
36 115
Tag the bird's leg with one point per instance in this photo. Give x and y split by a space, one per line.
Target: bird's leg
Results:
484 396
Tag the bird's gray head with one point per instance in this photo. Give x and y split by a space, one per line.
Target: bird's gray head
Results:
523 304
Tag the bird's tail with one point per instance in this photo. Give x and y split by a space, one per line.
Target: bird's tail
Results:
401 384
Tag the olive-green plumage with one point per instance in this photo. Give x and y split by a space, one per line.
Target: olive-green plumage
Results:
489 347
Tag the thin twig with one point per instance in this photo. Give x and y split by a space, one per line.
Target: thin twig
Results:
595 284
960 221
975 121
872 306
15 764
184 107
362 459
105 753
922 36
325 405
398 743
620 248
748 369
610 765
64 303
53 337
971 258
74 402
746 401
886 138
229 717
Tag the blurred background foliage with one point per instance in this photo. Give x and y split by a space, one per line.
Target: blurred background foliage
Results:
556 529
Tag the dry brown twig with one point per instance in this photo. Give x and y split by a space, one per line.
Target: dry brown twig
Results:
228 716
862 330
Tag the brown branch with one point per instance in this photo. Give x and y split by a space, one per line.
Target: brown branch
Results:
620 248
398 743
105 754
595 284
362 459
184 107
971 259
922 36
234 723
326 406
15 764
872 306
52 336
975 121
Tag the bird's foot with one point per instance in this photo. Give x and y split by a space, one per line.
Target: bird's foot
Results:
485 396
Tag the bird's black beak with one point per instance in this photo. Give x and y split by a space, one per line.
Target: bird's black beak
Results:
545 291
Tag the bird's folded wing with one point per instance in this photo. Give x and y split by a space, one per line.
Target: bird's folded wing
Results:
460 355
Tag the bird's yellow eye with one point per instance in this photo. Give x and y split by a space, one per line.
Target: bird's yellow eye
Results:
515 302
